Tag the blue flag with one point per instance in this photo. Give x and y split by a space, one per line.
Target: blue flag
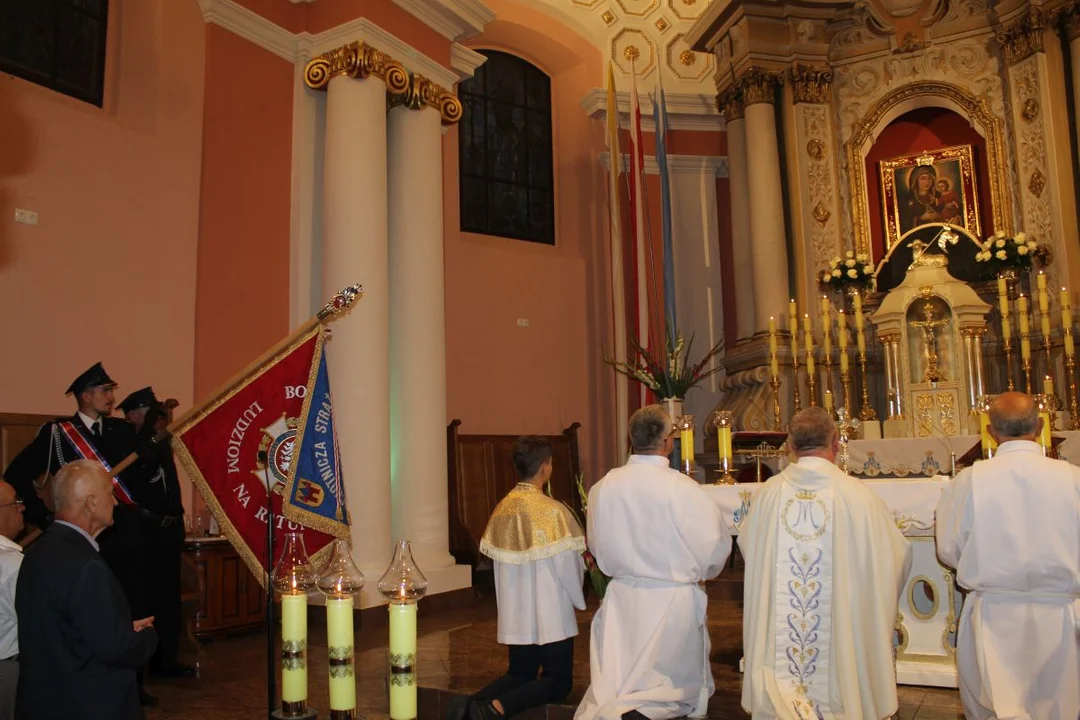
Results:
315 494
661 119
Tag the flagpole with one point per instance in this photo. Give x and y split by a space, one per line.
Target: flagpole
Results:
337 305
271 689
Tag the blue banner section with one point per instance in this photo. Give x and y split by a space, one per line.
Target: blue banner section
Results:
661 119
316 494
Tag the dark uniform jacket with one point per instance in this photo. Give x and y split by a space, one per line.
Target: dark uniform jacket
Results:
79 652
51 450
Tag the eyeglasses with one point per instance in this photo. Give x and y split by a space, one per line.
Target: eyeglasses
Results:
18 501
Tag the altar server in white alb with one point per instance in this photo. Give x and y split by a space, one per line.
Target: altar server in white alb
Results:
657 534
537 545
825 564
1011 528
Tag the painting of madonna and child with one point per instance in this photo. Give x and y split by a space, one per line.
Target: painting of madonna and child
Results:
936 186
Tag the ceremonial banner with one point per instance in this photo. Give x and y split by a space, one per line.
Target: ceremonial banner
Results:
268 439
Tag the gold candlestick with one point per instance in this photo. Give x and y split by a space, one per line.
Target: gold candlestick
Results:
796 399
845 382
828 372
866 412
774 383
1027 376
1074 402
811 388
1009 362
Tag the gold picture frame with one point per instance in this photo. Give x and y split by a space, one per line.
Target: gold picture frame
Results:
932 187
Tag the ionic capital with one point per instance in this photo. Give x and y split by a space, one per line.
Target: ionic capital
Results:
423 93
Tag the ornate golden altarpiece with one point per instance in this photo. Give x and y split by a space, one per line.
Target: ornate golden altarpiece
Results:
930 328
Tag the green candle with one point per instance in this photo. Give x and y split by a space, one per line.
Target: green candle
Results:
339 638
294 647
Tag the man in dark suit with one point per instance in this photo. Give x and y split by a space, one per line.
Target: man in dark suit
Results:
82 647
91 433
161 514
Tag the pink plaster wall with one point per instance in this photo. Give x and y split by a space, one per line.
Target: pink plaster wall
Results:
109 272
539 379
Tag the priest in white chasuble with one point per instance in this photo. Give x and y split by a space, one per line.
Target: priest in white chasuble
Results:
1010 526
825 565
657 534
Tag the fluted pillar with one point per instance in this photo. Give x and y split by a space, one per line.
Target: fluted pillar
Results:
731 105
767 231
418 324
1072 29
354 249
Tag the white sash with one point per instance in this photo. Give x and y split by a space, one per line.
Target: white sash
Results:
803 619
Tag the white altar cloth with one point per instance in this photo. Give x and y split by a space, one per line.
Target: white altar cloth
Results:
929 456
930 604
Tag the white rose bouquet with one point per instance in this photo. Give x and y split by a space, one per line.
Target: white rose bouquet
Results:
1002 252
847 271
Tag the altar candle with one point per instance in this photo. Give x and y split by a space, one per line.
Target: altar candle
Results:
723 442
1044 434
340 640
793 326
1003 297
1070 349
1044 299
828 401
860 340
826 325
294 632
1040 280
1006 328
841 323
858 312
1025 348
1023 311
989 445
1048 385
1066 310
686 442
1044 324
809 344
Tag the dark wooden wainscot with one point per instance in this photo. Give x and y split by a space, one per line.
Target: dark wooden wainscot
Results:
232 600
481 472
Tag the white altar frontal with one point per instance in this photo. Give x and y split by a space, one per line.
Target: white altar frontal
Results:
925 634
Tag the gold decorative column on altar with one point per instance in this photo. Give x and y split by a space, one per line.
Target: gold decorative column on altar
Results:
767 232
1036 75
811 173
1070 20
975 379
731 104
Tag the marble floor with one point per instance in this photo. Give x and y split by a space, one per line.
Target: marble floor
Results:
458 653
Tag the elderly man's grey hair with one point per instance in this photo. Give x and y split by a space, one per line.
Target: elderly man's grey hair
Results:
811 429
1014 415
74 482
649 427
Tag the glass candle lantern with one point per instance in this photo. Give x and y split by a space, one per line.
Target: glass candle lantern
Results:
339 581
293 578
402 585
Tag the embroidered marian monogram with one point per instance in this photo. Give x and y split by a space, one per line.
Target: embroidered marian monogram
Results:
803 620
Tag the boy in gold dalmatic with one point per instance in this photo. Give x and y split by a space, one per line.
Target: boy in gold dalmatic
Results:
536 545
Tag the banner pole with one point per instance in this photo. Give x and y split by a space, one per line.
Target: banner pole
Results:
271 690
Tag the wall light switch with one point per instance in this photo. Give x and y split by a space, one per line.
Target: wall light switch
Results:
523 322
26 217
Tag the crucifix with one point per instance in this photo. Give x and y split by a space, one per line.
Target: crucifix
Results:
929 325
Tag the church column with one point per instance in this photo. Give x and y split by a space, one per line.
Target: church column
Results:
1036 74
1072 30
730 103
812 175
418 473
354 249
767 230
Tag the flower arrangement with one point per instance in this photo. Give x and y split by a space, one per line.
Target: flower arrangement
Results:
850 270
597 577
670 375
1001 252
